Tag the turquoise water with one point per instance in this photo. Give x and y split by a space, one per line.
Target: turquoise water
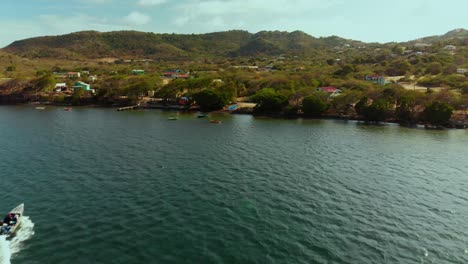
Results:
101 186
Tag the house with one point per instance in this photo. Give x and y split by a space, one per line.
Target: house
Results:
82 85
450 47
138 72
378 79
61 87
74 75
176 74
331 90
93 78
462 71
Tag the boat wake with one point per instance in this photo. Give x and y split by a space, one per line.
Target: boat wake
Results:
9 248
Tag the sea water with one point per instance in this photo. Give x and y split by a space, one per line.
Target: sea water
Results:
13 246
103 186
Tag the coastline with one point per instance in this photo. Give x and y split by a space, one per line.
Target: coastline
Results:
243 111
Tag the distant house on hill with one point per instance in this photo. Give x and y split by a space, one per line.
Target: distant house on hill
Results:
378 79
138 72
176 74
74 75
450 47
82 85
331 90
462 71
61 87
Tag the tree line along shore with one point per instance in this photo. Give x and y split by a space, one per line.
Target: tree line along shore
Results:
413 84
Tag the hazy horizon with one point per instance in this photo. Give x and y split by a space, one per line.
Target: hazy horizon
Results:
363 20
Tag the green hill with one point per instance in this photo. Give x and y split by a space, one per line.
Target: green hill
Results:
133 44
235 43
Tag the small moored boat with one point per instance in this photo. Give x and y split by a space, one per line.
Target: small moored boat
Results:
12 221
202 115
67 109
172 118
40 108
215 121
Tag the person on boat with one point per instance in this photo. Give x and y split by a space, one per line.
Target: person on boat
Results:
14 219
8 218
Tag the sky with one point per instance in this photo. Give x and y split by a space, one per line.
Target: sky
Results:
365 20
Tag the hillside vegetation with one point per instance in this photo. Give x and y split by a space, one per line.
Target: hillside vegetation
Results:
132 44
281 72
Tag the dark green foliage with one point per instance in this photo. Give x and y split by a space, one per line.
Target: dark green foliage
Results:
314 105
45 83
377 111
291 110
269 101
434 68
345 101
430 81
361 105
464 87
76 97
438 113
345 70
405 109
210 100
139 88
398 68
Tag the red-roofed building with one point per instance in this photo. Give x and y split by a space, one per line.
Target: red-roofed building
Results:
74 75
176 74
328 89
332 90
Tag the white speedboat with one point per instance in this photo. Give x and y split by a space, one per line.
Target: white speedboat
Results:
12 221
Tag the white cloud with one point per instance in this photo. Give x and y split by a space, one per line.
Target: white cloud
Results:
151 2
60 24
254 15
137 19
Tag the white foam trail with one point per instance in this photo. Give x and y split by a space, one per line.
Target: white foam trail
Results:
5 253
12 247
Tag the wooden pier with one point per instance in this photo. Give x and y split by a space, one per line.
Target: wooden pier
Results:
126 108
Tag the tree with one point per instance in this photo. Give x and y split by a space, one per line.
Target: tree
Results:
269 101
210 100
438 113
76 96
45 83
398 68
314 105
344 102
464 87
434 68
377 111
361 105
405 109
